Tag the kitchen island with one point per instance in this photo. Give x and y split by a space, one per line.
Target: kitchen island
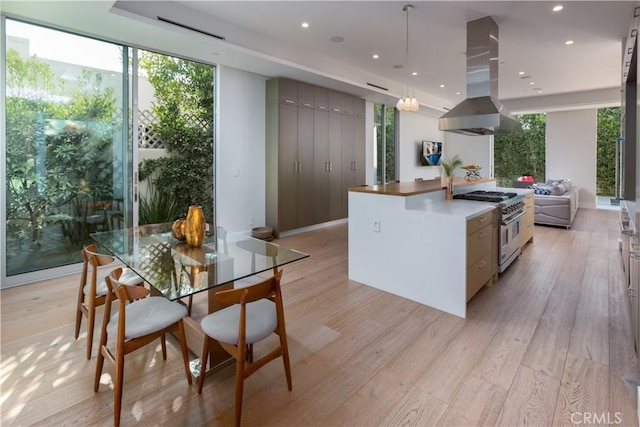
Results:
406 239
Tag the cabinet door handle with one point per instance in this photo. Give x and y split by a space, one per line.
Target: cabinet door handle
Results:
483 219
355 166
299 167
289 101
326 166
306 104
481 264
335 110
330 166
321 107
632 292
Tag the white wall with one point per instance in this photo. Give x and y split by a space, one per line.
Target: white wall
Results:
571 150
471 149
240 149
413 128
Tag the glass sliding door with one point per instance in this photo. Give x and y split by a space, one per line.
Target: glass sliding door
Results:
175 122
66 143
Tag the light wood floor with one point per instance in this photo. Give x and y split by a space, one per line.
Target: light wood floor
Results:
551 339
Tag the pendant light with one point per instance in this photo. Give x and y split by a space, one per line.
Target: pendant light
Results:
408 103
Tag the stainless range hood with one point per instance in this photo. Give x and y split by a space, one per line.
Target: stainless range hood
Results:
481 113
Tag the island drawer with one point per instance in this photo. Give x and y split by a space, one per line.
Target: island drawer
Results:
480 221
478 274
478 244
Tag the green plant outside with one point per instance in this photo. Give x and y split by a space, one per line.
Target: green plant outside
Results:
523 153
184 102
157 207
608 132
58 154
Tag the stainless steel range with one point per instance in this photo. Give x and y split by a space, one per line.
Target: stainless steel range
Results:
511 207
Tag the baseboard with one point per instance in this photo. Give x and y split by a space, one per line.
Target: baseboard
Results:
314 227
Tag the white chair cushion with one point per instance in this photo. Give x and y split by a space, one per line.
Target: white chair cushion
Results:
223 325
148 315
128 276
101 287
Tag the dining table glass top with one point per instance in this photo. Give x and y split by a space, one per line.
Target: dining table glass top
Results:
177 270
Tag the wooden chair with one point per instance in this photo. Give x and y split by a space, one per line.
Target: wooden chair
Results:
140 320
255 313
93 294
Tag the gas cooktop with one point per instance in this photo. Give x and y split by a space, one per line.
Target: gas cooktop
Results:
486 196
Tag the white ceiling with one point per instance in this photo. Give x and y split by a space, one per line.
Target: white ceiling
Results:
266 37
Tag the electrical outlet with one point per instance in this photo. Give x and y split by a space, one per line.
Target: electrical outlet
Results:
376 226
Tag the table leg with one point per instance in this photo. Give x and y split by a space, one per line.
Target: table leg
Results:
218 358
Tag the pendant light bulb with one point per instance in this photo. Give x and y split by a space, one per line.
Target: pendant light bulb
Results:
408 103
414 104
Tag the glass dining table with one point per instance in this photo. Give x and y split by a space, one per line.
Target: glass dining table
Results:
175 270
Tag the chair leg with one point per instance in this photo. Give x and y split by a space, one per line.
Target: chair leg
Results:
163 341
203 363
99 365
185 351
239 383
117 392
285 358
79 313
91 320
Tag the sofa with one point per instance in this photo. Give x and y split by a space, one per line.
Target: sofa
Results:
555 201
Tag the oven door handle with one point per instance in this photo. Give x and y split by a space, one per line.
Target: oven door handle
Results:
515 218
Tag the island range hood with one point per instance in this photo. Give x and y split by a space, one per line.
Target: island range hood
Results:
481 113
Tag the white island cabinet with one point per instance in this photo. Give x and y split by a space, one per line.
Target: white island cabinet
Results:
414 243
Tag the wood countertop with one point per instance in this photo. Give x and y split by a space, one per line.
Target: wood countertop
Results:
415 187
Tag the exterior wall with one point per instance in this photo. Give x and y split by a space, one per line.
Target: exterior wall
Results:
571 150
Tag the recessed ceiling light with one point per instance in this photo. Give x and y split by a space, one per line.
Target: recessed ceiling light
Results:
457 93
305 25
568 42
558 8
376 56
521 73
441 85
532 83
398 66
415 73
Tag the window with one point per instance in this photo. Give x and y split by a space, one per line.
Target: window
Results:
71 155
523 153
384 143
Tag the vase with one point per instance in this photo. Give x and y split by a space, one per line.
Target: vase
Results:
177 229
449 188
194 227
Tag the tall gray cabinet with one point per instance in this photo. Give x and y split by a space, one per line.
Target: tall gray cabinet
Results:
315 152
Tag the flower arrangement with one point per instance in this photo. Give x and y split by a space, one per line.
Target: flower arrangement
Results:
450 165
